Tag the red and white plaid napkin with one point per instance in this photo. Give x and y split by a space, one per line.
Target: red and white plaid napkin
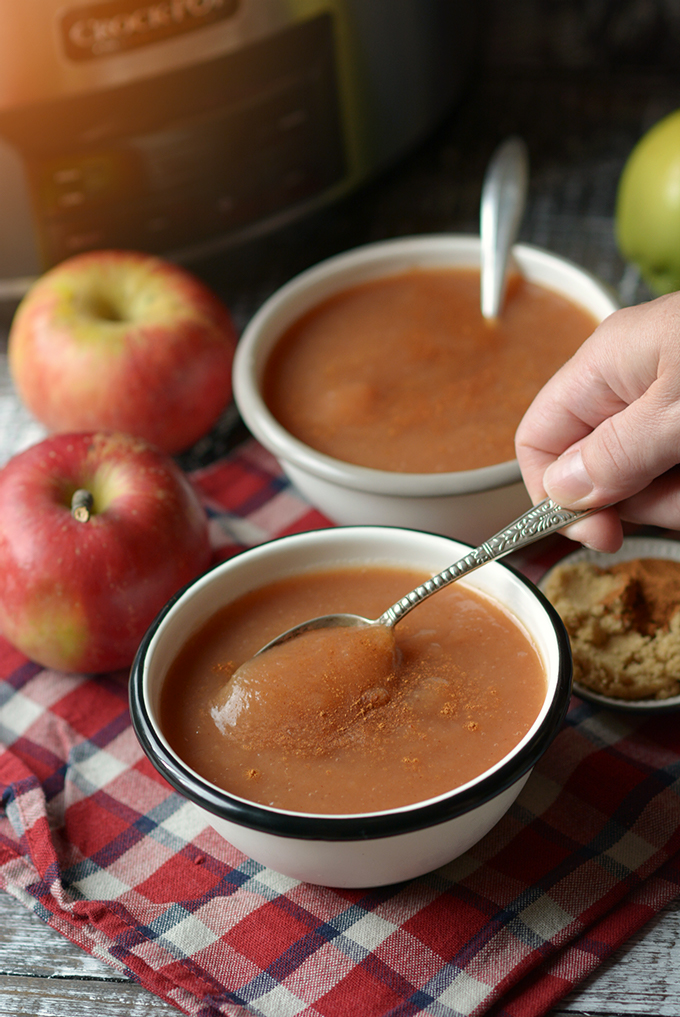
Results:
99 846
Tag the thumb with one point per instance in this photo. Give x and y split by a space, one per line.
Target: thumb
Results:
622 455
568 482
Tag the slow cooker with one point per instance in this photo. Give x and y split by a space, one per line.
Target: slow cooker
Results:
174 126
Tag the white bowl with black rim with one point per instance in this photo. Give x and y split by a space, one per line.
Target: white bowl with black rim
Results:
366 849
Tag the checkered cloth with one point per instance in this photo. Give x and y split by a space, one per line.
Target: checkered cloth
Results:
97 844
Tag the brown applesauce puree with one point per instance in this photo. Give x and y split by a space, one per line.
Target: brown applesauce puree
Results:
403 373
347 728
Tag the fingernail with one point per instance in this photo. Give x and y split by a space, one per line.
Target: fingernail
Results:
566 480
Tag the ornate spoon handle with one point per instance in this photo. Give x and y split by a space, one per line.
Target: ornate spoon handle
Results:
539 521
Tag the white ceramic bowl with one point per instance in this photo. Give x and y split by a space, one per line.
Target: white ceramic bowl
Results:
364 849
468 505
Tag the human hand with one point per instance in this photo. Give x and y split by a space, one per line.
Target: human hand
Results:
606 428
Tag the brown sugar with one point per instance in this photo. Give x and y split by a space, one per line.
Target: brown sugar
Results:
624 625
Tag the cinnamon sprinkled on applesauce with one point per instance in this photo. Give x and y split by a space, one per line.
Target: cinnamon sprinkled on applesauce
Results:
356 719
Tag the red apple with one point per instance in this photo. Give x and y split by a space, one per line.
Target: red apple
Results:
80 586
123 341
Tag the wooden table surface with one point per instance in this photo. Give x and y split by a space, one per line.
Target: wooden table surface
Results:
580 123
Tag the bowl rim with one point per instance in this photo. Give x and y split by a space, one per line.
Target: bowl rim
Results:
264 426
360 826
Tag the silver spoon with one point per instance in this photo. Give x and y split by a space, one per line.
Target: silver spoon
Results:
545 518
502 206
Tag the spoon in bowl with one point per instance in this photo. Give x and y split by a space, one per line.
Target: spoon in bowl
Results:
542 519
362 650
502 206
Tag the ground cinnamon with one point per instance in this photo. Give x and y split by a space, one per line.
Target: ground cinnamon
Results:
650 592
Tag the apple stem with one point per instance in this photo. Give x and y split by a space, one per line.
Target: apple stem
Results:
81 505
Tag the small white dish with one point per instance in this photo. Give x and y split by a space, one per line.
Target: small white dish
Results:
632 547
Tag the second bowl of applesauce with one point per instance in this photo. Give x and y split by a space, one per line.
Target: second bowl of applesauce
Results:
388 398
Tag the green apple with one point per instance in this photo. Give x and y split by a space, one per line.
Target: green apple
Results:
648 206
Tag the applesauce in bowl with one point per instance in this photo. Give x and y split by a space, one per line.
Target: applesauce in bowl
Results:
331 827
389 405
402 373
339 722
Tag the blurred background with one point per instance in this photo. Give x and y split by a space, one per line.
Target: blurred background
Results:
251 140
